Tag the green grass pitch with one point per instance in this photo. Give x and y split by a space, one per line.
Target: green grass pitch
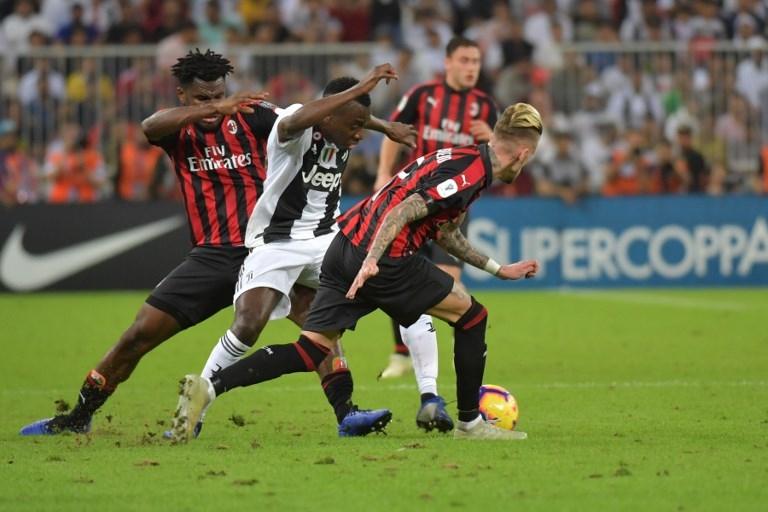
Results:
633 400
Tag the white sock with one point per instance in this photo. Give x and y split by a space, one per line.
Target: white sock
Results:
421 340
227 351
469 425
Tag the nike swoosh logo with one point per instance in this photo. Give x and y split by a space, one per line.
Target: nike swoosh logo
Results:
23 272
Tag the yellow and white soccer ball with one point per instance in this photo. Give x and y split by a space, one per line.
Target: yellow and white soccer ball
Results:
498 406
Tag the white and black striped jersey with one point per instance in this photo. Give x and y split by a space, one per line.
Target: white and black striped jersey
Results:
302 190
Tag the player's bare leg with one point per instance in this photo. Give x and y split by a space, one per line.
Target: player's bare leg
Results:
469 319
150 328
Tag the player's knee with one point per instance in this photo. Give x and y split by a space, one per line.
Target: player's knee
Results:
248 324
139 338
476 315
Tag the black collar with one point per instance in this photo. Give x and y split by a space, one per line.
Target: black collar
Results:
485 155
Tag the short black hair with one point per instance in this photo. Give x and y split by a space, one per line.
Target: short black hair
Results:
208 66
459 42
343 83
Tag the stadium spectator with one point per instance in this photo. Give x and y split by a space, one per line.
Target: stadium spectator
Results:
564 176
691 161
670 176
75 170
213 27
76 24
633 103
141 168
587 19
629 172
19 172
746 13
514 47
312 22
752 73
173 47
355 19
125 26
16 28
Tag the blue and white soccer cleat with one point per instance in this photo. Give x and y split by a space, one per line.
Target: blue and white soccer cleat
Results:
432 415
362 422
49 427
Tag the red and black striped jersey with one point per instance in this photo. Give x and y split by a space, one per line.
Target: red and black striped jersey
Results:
442 115
448 179
221 173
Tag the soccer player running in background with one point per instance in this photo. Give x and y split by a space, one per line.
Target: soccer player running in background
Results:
217 146
447 113
374 263
289 232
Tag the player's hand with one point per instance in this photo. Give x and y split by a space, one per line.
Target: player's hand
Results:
480 130
240 102
402 133
369 269
525 268
380 72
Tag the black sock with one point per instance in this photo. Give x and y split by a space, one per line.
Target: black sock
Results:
400 347
93 394
269 363
338 388
427 396
469 359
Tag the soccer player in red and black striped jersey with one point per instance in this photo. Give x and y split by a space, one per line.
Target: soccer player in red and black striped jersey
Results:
446 113
217 145
375 263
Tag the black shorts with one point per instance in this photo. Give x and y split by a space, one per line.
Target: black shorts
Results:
201 286
404 288
439 256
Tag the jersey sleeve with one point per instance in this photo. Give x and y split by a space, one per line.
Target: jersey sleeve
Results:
454 184
263 118
168 143
407 111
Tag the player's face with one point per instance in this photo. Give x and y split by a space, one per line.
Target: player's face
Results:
200 92
462 67
345 127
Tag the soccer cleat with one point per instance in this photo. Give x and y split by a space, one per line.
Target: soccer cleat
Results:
432 415
195 433
51 427
362 422
195 394
484 430
399 365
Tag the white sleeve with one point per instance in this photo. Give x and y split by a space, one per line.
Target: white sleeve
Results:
302 140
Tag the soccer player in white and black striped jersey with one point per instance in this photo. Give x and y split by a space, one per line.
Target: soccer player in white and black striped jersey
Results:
289 232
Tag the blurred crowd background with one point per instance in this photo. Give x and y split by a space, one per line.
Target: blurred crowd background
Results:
638 96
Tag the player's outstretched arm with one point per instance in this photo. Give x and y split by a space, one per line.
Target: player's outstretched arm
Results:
413 208
313 112
398 132
170 120
388 155
455 243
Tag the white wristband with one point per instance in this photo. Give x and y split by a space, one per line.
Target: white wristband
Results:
492 266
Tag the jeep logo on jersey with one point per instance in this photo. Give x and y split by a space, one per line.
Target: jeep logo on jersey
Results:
320 180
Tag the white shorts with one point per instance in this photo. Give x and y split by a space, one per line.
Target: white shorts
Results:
279 265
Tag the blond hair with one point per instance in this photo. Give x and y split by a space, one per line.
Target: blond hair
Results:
519 120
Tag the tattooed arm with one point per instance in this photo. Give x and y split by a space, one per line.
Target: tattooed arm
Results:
454 241
413 208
